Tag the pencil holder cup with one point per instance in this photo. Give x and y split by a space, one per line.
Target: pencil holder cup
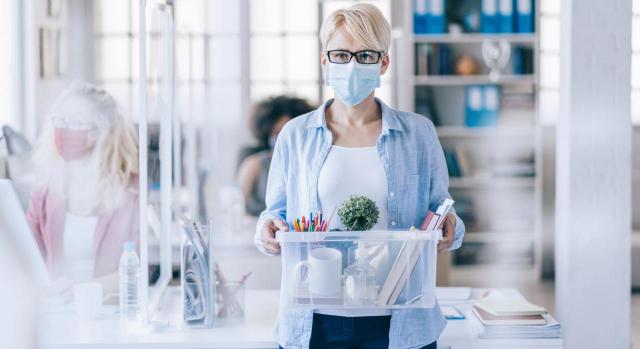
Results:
230 300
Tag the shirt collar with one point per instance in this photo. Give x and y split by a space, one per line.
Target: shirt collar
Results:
390 120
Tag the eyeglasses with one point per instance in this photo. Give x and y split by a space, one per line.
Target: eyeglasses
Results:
362 57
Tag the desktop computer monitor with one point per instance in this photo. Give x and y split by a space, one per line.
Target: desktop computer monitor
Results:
13 222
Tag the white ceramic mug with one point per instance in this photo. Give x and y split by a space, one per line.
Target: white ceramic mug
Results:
87 299
324 272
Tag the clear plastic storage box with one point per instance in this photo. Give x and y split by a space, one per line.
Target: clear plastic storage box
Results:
359 269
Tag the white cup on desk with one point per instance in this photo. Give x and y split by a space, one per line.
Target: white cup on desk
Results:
324 272
87 299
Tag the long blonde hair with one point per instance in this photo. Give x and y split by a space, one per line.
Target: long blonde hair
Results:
115 155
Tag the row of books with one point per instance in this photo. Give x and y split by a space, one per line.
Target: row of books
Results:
439 59
433 59
457 161
459 165
498 315
507 16
496 16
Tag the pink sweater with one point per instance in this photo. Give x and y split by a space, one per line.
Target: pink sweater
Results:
46 215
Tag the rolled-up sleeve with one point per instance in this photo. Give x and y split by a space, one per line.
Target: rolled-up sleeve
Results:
440 184
276 196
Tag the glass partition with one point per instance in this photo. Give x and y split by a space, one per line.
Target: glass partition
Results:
157 139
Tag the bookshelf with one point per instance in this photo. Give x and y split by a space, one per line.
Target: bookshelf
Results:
499 191
468 38
500 131
454 80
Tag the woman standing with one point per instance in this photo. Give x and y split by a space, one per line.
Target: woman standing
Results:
356 144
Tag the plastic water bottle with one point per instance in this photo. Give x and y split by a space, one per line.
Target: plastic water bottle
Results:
129 282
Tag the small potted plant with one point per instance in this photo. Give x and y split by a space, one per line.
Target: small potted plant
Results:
359 213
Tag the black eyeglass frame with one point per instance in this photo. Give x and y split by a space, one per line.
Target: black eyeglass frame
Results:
354 54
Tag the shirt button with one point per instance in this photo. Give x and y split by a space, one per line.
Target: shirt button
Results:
393 223
391 194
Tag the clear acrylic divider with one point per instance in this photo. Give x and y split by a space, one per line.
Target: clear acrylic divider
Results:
359 269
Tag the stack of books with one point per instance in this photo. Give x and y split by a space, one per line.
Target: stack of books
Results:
498 317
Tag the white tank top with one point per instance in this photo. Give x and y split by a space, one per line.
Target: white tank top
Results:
77 254
353 171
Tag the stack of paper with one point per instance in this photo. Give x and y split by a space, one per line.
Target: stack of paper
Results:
500 316
550 330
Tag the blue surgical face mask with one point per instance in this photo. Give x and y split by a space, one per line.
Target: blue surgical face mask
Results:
353 82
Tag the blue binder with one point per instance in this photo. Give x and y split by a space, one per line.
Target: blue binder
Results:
420 16
489 16
491 106
505 16
473 105
482 105
524 16
436 17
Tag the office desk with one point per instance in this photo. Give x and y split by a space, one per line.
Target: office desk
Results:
63 330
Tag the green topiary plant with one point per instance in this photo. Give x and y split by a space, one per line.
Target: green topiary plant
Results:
359 213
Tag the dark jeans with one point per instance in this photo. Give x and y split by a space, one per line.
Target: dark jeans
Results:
337 332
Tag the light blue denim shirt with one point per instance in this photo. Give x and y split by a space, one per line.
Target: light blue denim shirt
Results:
417 180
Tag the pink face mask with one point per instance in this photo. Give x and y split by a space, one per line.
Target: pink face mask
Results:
72 144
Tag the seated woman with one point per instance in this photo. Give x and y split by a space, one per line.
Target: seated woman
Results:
268 118
86 203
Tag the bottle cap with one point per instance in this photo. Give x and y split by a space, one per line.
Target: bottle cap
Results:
361 252
129 245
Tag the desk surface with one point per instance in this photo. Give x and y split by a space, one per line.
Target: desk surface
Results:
62 329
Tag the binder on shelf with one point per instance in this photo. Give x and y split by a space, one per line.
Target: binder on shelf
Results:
422 59
505 16
445 59
436 17
433 59
491 105
420 16
524 16
473 105
522 60
489 16
482 105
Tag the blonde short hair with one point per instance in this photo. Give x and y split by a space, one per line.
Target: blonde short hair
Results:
364 22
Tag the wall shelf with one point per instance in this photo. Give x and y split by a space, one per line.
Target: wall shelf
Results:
498 131
525 236
464 80
471 38
493 182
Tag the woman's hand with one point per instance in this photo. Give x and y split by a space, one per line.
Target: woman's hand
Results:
269 229
448 233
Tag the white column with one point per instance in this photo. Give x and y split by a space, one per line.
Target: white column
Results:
594 174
